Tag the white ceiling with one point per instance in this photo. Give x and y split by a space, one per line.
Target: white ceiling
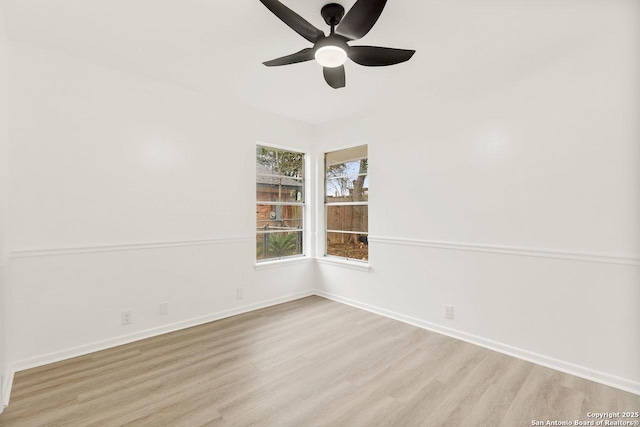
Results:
214 46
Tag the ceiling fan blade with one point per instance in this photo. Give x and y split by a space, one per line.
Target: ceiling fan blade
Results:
373 56
335 77
293 20
360 18
302 56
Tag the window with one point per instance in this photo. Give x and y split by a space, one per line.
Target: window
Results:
279 203
347 203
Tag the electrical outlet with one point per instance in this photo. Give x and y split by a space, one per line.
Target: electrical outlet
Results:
125 317
164 308
448 312
239 293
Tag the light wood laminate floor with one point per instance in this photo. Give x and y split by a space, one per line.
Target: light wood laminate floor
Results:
304 363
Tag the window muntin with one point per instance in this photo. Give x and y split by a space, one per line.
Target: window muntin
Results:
279 203
347 203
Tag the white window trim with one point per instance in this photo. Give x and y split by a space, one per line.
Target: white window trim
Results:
352 264
347 204
282 262
321 244
306 215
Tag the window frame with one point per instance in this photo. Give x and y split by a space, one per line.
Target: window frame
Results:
359 263
305 219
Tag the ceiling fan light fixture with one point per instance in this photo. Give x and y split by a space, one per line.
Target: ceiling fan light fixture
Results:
331 56
331 51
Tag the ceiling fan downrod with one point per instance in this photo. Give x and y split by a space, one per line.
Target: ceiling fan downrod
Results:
332 14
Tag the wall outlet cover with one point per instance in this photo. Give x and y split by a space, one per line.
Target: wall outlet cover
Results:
448 312
126 317
164 308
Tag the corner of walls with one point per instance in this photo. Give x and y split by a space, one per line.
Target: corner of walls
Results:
7 374
4 191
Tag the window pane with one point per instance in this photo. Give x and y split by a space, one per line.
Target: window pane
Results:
279 175
346 181
278 245
280 162
347 190
278 217
348 218
285 190
351 169
353 246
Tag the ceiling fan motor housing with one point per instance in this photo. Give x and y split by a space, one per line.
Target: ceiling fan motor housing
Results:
332 40
332 14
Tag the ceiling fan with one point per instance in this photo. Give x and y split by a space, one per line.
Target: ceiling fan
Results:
332 51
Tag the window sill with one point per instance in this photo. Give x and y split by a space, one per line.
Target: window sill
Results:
345 263
267 265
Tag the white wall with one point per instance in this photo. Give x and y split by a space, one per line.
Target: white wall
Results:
4 175
126 192
519 206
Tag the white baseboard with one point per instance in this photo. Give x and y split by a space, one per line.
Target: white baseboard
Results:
82 350
539 359
7 383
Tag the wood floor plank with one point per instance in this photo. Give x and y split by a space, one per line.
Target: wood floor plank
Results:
419 406
542 397
497 397
310 362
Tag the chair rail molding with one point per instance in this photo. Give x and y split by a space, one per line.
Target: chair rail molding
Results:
28 253
512 250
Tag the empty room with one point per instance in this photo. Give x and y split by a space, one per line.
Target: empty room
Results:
320 213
